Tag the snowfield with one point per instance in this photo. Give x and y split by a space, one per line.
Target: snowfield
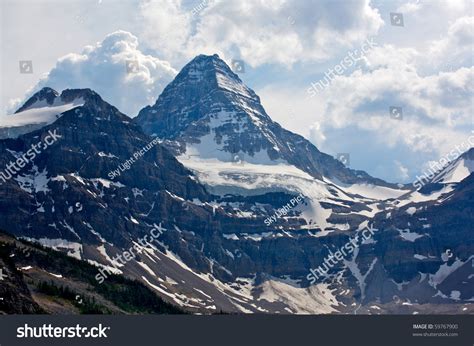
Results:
44 115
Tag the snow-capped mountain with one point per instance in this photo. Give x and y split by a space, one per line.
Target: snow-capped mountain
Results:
457 170
217 127
207 113
439 183
42 109
76 172
219 181
46 97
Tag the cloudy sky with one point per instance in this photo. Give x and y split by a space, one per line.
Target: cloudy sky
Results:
419 64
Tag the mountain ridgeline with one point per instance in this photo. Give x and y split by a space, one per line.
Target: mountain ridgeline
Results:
209 166
206 97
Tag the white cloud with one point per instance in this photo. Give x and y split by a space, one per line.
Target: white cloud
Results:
260 32
409 7
402 171
457 47
436 108
103 68
165 26
352 113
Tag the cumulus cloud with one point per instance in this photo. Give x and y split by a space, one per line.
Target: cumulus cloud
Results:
457 47
166 26
409 7
352 113
402 171
116 69
260 32
436 108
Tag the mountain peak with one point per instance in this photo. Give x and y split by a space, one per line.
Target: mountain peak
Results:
210 72
48 97
88 99
209 113
47 105
88 95
457 170
204 85
47 91
206 61
213 57
42 98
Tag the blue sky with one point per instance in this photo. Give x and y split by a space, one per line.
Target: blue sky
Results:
424 67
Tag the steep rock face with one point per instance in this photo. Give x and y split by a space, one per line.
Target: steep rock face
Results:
68 190
427 243
208 112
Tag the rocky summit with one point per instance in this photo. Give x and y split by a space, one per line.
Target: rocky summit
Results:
208 112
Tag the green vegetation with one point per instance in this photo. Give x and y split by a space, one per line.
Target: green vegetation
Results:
133 296
128 295
85 305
